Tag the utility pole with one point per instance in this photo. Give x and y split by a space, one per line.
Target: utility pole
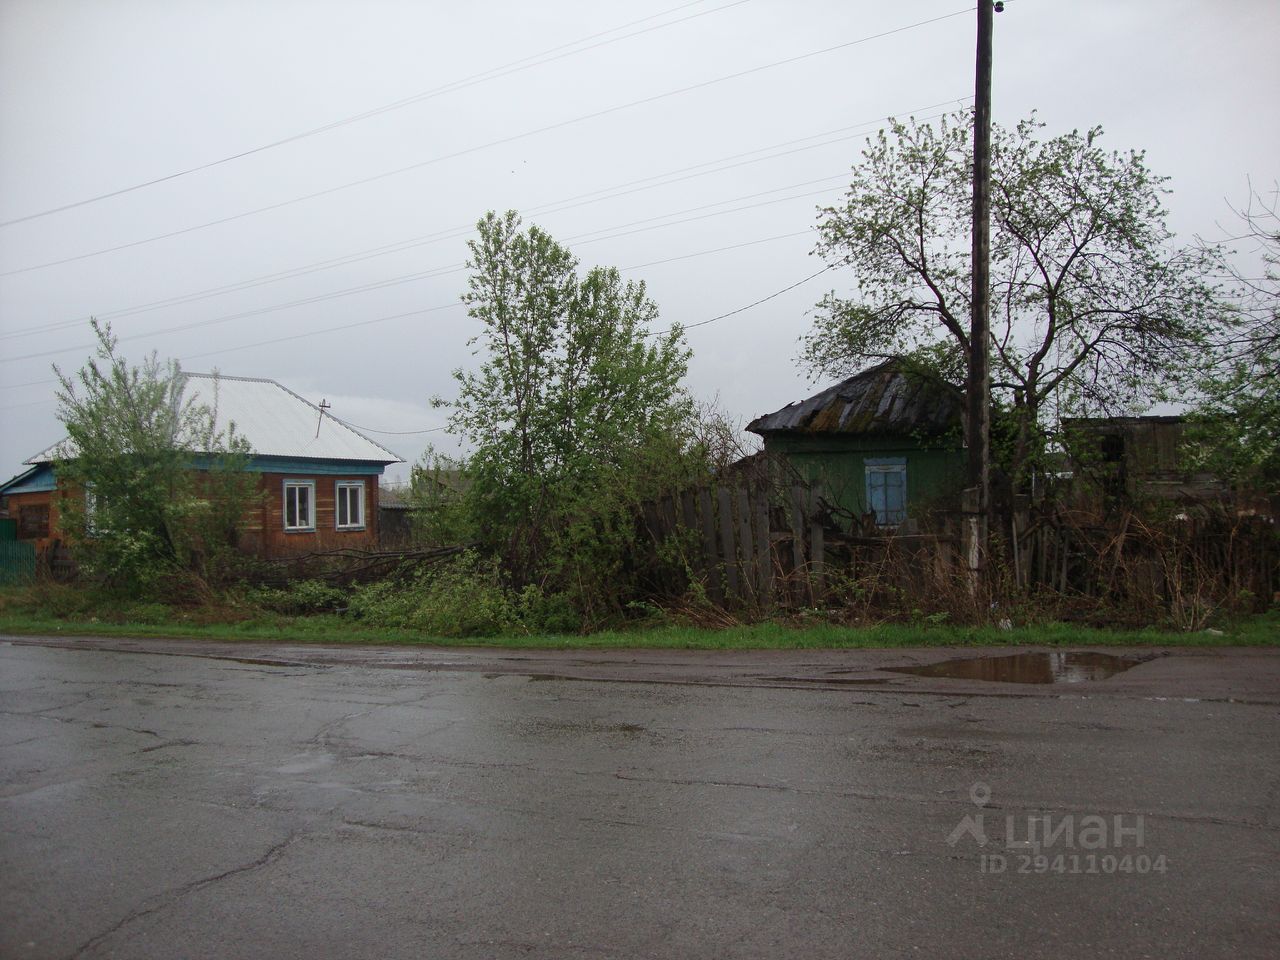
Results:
324 405
978 494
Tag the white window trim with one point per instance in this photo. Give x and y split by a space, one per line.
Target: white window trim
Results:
349 485
311 506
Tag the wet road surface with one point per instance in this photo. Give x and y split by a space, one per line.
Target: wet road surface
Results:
190 799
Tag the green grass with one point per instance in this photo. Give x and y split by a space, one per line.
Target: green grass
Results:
74 613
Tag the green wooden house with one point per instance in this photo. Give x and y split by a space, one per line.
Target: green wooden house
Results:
886 444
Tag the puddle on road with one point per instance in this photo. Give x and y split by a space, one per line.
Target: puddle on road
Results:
1028 667
833 681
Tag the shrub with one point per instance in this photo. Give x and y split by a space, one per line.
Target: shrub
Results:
298 598
467 597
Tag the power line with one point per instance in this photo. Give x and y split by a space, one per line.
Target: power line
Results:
462 230
637 266
757 303
451 268
448 306
411 313
515 66
634 266
492 143
389 433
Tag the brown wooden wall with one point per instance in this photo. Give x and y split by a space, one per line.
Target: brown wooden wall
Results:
263 531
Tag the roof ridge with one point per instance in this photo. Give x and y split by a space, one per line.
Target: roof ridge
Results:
227 376
301 398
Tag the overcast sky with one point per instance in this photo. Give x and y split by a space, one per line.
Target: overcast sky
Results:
693 159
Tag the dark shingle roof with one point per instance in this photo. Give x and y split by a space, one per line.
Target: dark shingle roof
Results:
886 400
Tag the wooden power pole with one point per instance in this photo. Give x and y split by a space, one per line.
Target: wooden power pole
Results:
978 495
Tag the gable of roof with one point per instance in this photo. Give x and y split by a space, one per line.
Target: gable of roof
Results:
37 479
889 399
272 418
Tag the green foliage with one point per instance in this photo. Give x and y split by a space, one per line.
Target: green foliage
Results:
1235 429
1091 303
138 514
576 414
298 598
71 611
1234 433
441 516
469 597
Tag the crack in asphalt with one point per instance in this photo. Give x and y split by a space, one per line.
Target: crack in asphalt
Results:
170 897
97 724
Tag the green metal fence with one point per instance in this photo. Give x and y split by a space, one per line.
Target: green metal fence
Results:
17 562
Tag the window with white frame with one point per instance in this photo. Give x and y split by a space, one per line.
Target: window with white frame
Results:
299 505
887 489
350 504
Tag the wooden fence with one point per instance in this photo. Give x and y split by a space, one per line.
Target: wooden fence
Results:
750 545
762 546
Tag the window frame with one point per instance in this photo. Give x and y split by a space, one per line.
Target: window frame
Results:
310 486
338 487
23 524
880 466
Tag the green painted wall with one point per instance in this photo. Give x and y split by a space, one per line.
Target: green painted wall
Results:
935 475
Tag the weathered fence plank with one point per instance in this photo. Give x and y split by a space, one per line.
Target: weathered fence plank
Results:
799 569
746 549
728 553
817 547
764 547
715 570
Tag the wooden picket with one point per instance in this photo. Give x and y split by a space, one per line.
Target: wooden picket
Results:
749 545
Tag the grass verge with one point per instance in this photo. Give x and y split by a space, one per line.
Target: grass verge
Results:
55 613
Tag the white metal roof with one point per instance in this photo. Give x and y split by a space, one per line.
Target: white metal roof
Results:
275 420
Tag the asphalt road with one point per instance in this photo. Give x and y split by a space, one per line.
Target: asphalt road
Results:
175 799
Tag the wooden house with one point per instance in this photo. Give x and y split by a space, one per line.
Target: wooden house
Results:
885 444
316 477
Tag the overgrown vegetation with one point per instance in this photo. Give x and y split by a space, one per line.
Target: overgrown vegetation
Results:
576 413
70 611
137 514
1236 425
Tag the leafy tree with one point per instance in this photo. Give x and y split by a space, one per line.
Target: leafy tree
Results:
576 410
1090 301
437 491
137 512
1235 429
